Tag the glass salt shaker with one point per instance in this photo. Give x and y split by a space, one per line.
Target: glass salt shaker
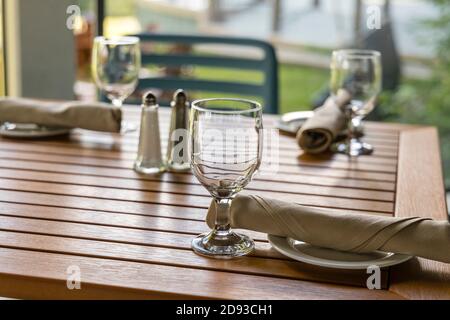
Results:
149 159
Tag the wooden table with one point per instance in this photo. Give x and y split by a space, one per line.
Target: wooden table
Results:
75 202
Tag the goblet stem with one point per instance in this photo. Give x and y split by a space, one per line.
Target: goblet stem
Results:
353 146
223 215
356 123
117 102
221 242
352 124
356 127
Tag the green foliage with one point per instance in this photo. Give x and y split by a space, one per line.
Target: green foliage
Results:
113 7
297 84
120 7
428 102
86 5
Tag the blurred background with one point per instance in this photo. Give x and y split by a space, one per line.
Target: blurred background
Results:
414 39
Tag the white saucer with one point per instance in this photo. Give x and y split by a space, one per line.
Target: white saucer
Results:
29 130
329 258
290 122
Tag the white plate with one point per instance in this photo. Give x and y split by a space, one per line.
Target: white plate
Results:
329 258
290 122
29 130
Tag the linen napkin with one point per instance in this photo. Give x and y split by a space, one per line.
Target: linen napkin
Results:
73 114
318 132
345 232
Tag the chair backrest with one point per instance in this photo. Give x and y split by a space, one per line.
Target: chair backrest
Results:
268 66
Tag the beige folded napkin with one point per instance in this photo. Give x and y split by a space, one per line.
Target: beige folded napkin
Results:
351 232
318 132
73 114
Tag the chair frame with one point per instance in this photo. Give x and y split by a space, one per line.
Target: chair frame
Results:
268 89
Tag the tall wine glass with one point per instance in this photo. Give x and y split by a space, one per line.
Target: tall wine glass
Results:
359 73
225 151
116 62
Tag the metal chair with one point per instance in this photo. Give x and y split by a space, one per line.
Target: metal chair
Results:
267 90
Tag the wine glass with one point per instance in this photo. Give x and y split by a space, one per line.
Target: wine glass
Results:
225 151
359 73
116 62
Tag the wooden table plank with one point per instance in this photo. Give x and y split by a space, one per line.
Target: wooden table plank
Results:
157 210
123 196
145 281
172 234
61 147
113 143
420 193
286 165
193 189
274 188
55 148
252 265
259 181
348 169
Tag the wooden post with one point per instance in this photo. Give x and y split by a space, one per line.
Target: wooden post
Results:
357 24
276 17
387 11
214 11
100 16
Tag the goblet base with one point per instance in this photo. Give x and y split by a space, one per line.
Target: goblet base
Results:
148 170
353 148
222 246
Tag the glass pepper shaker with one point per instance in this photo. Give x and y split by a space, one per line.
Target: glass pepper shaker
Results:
177 153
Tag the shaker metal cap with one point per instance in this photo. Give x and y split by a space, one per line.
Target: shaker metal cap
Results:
179 98
149 98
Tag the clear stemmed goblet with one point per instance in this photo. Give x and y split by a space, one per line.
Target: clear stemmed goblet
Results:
225 151
359 73
116 62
